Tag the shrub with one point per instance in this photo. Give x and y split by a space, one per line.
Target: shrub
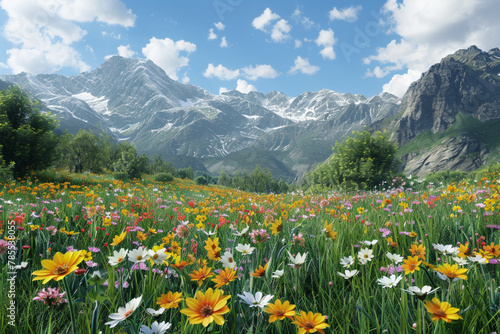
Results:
164 177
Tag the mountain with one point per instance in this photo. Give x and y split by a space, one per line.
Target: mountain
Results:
135 100
450 116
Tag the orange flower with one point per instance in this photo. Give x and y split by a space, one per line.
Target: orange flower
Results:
492 249
201 275
180 264
227 275
206 308
418 250
411 264
259 272
169 300
280 311
442 310
310 323
60 267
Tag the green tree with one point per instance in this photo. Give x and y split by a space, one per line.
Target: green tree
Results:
129 162
89 152
26 135
224 179
363 161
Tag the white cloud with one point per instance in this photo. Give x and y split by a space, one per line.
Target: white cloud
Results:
306 22
106 11
223 42
219 25
244 87
185 79
264 19
349 14
167 54
220 72
377 72
298 43
211 34
327 40
260 71
430 30
223 90
302 65
126 51
44 31
2 65
400 82
280 31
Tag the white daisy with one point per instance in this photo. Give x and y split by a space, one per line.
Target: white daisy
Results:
228 260
298 259
156 328
243 232
446 249
365 255
369 243
278 273
138 255
154 312
348 273
245 249
460 261
347 262
396 258
117 257
258 301
124 312
420 293
159 256
389 282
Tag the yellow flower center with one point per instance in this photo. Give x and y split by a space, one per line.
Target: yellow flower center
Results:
128 313
61 269
206 311
120 259
365 256
139 258
280 313
230 260
155 256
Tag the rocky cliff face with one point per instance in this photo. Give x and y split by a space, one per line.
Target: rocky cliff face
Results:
465 83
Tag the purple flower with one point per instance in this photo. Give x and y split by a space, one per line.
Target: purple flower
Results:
51 297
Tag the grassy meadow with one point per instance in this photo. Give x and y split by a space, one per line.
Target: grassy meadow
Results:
96 255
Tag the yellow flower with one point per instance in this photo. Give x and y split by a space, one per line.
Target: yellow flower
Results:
213 249
310 323
452 271
206 308
59 267
411 264
227 275
141 236
280 311
442 310
277 226
169 300
493 250
412 234
34 227
329 231
201 275
463 250
118 238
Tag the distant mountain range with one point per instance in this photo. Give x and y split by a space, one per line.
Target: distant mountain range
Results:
135 100
446 120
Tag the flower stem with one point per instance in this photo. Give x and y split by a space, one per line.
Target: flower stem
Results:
71 307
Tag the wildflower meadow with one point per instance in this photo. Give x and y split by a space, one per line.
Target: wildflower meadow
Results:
94 255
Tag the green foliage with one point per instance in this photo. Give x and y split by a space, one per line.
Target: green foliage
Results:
121 176
446 177
5 171
186 173
201 180
25 134
129 162
224 179
88 152
361 162
164 177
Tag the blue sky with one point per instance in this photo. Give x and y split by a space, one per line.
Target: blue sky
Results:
363 47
